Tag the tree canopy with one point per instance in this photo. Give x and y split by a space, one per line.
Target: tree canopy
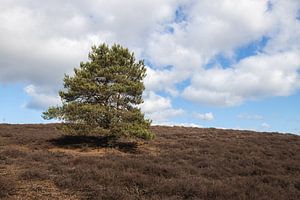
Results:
103 95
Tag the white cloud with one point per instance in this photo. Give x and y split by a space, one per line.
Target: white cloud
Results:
163 80
42 41
204 116
159 108
285 34
39 100
221 27
211 28
172 124
265 125
253 78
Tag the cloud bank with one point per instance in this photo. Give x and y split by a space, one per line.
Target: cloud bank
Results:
180 40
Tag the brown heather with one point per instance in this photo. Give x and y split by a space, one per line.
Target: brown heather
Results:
38 162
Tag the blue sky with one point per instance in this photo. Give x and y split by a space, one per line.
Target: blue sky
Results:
210 64
13 110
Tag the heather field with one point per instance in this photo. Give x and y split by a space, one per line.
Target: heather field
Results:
38 162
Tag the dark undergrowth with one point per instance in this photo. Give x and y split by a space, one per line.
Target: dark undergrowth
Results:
38 162
80 142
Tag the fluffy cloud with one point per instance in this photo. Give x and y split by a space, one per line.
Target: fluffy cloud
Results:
208 28
265 125
285 32
40 42
158 108
253 78
39 100
221 27
204 116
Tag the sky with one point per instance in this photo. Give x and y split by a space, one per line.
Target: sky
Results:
223 63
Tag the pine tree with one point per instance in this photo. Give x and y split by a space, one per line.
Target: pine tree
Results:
102 96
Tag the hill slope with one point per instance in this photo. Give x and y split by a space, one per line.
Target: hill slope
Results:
37 162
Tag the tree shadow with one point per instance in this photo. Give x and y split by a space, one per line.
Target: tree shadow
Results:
80 142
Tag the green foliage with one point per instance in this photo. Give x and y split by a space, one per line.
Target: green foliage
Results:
102 96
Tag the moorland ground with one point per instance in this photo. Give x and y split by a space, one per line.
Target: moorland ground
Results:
38 162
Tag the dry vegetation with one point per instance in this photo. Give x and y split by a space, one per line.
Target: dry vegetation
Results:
37 162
